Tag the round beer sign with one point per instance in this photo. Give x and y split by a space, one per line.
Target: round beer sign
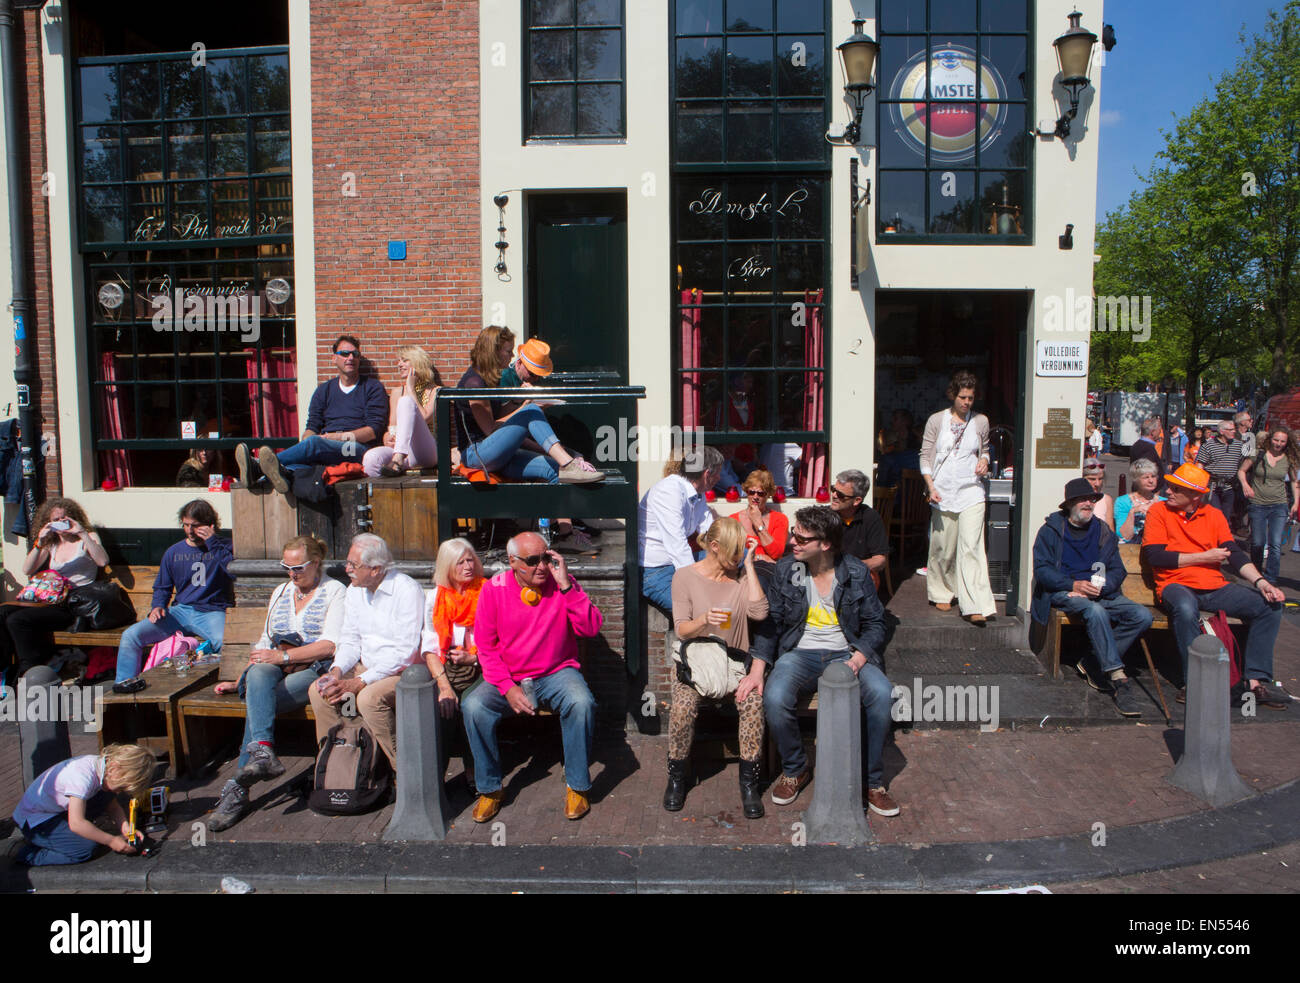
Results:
955 117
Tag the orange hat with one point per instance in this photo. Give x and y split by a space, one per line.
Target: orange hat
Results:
536 355
1192 477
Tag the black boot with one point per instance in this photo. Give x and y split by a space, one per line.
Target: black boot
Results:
751 794
675 793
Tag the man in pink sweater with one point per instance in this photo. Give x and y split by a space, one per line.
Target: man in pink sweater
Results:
527 627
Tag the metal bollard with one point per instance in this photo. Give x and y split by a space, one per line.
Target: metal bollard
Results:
421 810
836 814
42 743
1205 769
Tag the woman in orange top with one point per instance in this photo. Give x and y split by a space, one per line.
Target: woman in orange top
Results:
766 530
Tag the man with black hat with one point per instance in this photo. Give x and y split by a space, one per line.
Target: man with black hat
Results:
1077 569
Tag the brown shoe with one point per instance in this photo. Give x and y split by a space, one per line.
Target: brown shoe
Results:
487 806
787 787
943 606
881 802
975 619
575 804
270 465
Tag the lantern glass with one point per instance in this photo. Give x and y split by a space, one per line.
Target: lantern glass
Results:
858 56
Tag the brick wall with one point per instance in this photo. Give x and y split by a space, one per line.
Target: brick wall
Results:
395 103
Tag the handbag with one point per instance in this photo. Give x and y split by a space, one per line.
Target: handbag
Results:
46 587
709 666
100 606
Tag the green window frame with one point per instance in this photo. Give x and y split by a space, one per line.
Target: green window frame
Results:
573 79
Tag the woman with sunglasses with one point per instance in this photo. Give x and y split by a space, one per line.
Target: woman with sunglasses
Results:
713 599
303 621
1104 509
766 530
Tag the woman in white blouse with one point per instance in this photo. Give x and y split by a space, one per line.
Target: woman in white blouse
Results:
303 621
954 457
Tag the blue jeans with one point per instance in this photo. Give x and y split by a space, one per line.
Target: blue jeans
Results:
657 586
179 617
796 673
1236 601
565 692
268 692
1113 624
53 841
501 451
317 450
1267 523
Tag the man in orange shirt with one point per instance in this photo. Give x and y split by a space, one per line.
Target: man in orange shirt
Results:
1185 543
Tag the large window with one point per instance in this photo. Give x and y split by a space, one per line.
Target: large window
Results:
953 119
185 193
751 233
575 69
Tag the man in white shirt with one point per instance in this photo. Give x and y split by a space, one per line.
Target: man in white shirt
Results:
383 615
670 513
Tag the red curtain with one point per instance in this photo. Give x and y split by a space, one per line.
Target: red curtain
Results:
272 405
690 354
115 464
813 475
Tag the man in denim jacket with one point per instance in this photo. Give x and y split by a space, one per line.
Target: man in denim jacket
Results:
823 609
1077 568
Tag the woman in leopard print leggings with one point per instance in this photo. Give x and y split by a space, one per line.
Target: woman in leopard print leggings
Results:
712 599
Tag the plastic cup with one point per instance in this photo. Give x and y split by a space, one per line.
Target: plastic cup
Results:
726 619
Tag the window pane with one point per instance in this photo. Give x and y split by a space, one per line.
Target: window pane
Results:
140 91
710 335
799 267
802 132
551 12
103 214
699 132
749 15
229 141
1005 57
230 209
749 64
552 110
902 202
700 207
799 399
896 53
952 202
600 54
1002 199
271 146
143 152
750 336
1004 15
226 93
798 15
952 15
1006 140
101 154
794 79
749 268
550 55
797 205
186 150
902 15
158 417
598 12
902 134
189 205
701 268
699 16
99 99
183 89
699 67
749 131
268 84
600 110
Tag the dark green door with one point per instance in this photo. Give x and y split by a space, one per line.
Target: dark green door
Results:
578 281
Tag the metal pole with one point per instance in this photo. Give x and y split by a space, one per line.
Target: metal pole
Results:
28 415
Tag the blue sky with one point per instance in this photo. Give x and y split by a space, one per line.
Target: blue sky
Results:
1166 60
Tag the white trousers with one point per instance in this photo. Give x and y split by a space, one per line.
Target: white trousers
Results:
957 564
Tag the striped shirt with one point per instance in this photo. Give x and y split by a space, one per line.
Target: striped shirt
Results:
1220 459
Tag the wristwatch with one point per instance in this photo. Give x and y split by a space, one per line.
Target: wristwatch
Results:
285 660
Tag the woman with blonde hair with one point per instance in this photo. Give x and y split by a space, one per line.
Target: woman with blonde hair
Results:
411 441
713 599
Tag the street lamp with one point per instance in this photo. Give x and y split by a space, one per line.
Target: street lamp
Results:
1074 56
858 59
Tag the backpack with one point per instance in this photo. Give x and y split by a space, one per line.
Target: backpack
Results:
352 772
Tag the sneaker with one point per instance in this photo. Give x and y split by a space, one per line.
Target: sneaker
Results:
923 572
262 765
270 465
1082 670
230 807
788 787
1126 701
579 472
881 802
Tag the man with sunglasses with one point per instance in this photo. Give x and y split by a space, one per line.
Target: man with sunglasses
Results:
346 417
822 609
864 533
527 627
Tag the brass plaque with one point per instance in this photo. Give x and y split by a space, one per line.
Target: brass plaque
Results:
1058 452
1058 414
1058 429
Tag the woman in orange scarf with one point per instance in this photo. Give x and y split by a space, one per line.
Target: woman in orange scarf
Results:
448 639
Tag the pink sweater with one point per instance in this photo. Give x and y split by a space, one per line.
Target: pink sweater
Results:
517 642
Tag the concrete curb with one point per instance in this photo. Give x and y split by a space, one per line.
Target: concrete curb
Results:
1259 823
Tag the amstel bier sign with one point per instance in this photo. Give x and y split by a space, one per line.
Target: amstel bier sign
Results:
954 126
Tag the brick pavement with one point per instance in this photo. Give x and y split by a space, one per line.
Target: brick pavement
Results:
1275 871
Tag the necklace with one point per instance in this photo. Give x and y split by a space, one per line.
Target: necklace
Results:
300 596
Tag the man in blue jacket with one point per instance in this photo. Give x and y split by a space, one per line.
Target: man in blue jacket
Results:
346 417
822 609
190 593
1077 568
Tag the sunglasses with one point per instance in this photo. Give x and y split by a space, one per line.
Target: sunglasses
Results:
840 496
531 561
347 353
804 540
297 567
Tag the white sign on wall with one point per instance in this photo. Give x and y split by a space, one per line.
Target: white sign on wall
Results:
1061 358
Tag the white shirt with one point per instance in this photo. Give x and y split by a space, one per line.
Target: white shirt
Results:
670 513
381 628
321 618
954 469
76 778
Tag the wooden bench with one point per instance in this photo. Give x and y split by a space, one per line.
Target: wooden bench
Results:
138 584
